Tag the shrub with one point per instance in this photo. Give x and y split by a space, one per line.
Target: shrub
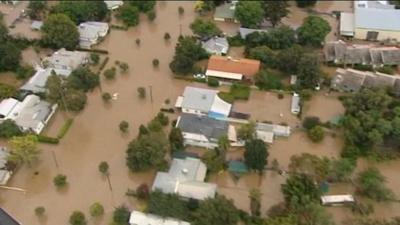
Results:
363 67
280 95
316 134
142 192
6 91
8 129
156 62
124 126
151 15
96 209
77 218
109 74
310 122
235 41
104 63
48 140
124 67
167 101
24 72
106 96
39 211
64 129
142 92
162 118
121 215
60 180
94 58
181 10
212 82
386 69
137 41
167 36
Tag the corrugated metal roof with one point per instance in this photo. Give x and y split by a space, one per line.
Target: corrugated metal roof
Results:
198 98
377 19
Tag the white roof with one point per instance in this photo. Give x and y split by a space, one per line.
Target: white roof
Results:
326 199
7 106
266 136
220 106
139 218
67 60
179 101
295 108
114 4
198 98
226 75
346 23
92 30
37 83
377 16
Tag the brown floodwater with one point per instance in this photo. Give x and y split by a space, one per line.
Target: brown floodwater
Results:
324 105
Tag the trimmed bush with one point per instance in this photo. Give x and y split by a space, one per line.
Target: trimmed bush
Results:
64 129
77 218
212 82
48 140
104 63
109 74
60 181
96 209
101 51
316 134
106 96
39 211
156 62
124 67
118 27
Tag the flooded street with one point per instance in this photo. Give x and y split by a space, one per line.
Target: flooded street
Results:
324 105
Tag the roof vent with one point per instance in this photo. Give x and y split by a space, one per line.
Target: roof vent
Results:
185 171
204 97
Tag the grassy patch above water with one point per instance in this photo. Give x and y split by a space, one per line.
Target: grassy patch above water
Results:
64 129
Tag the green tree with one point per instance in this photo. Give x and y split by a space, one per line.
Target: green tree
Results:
176 140
288 60
300 190
36 9
213 160
267 80
371 183
82 11
94 58
275 11
146 152
151 15
249 13
77 218
104 168
218 210
310 122
305 3
129 14
60 180
313 31
9 129
6 91
143 6
264 54
313 214
308 72
316 134
311 165
121 215
341 169
54 86
75 100
60 32
167 205
247 131
143 130
255 202
123 126
39 211
255 155
24 150
10 55
204 28
96 209
83 79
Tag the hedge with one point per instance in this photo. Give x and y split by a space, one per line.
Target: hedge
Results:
64 129
119 27
103 64
170 110
46 139
100 51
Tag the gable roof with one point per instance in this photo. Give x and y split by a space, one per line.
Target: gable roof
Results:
139 218
37 83
246 67
212 129
185 178
64 59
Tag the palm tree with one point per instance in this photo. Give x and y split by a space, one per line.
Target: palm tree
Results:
104 169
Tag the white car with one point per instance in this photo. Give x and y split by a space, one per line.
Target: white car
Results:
199 76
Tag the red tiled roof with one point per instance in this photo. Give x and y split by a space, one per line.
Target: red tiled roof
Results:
247 67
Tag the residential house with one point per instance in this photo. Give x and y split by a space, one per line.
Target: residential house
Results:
7 219
202 101
371 20
243 32
351 80
267 132
112 5
226 12
340 53
139 218
295 105
5 174
91 32
216 45
185 178
32 114
37 83
204 131
66 60
232 69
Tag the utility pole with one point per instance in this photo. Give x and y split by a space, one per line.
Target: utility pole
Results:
151 94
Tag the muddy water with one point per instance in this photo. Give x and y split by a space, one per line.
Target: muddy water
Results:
95 136
324 105
265 106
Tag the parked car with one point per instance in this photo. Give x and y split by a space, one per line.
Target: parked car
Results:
199 76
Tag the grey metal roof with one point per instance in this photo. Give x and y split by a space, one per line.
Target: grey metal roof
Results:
377 19
211 128
198 98
348 80
246 31
216 45
6 219
186 178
